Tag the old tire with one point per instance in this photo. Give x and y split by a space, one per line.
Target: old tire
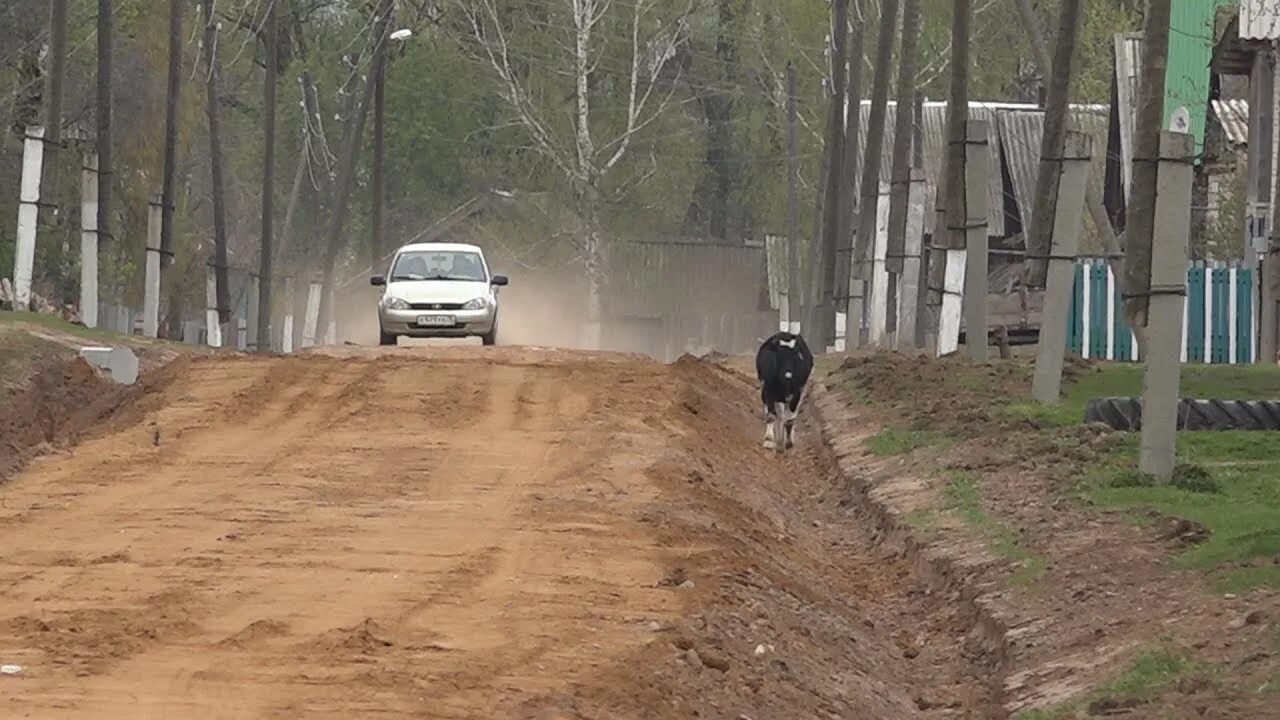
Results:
1125 414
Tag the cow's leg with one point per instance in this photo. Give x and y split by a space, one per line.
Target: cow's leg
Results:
792 408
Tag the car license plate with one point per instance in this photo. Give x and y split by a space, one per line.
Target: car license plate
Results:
436 320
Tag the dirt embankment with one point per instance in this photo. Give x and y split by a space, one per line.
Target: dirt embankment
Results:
496 533
1089 611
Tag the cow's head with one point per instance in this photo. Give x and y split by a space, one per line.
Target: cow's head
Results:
790 356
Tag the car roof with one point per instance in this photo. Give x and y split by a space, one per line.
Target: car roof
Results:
440 247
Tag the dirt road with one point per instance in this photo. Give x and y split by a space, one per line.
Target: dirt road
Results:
455 533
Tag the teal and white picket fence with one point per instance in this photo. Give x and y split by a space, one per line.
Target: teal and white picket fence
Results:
1219 321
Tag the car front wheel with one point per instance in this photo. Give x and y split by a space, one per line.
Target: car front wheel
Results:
491 337
385 339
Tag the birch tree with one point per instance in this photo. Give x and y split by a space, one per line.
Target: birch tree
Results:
587 151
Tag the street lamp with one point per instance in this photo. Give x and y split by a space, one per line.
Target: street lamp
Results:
377 241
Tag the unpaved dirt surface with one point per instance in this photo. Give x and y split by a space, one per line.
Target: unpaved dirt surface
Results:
460 533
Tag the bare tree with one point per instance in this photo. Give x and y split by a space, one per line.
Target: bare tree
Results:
212 79
900 172
1142 203
834 151
53 91
584 158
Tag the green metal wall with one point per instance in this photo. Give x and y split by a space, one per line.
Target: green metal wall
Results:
1190 50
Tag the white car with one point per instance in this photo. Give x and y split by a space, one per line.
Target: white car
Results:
438 290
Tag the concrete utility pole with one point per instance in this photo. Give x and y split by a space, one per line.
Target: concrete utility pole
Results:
1142 197
151 290
977 172
1073 179
268 178
792 309
869 206
1055 130
834 152
1167 294
912 279
900 172
1261 148
89 241
24 257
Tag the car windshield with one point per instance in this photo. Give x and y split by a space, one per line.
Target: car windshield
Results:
438 265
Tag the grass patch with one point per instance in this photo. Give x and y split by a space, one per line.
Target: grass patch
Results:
1227 481
891 441
1148 673
965 500
54 324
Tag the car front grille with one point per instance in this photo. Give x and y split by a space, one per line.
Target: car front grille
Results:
435 306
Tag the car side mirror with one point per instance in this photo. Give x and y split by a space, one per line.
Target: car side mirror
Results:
377 281
499 280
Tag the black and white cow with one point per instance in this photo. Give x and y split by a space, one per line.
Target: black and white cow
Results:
783 365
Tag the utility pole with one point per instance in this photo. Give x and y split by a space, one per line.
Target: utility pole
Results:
1142 197
793 205
869 206
222 294
171 131
346 176
268 177
1093 202
53 94
852 157
1043 214
834 152
105 32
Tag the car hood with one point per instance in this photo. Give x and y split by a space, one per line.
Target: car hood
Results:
437 291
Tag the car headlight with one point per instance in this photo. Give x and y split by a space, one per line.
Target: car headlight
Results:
479 303
395 303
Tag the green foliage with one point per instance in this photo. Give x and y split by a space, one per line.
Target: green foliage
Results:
1149 672
892 441
964 499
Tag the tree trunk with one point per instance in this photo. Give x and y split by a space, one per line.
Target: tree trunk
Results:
834 152
900 171
957 125
53 96
212 109
376 237
171 131
105 180
268 177
1093 202
1142 202
873 160
793 204
1040 235
852 155
350 155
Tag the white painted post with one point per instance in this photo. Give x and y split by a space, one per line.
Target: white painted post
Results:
242 334
151 291
212 328
286 338
1232 309
1208 313
24 258
312 317
910 282
1161 381
952 298
977 170
89 241
1073 181
1086 311
878 306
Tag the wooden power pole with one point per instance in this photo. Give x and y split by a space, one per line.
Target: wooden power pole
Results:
268 176
105 32
1142 196
171 131
214 72
834 152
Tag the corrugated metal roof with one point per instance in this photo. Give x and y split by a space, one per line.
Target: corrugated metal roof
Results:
1259 20
1020 137
1233 116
